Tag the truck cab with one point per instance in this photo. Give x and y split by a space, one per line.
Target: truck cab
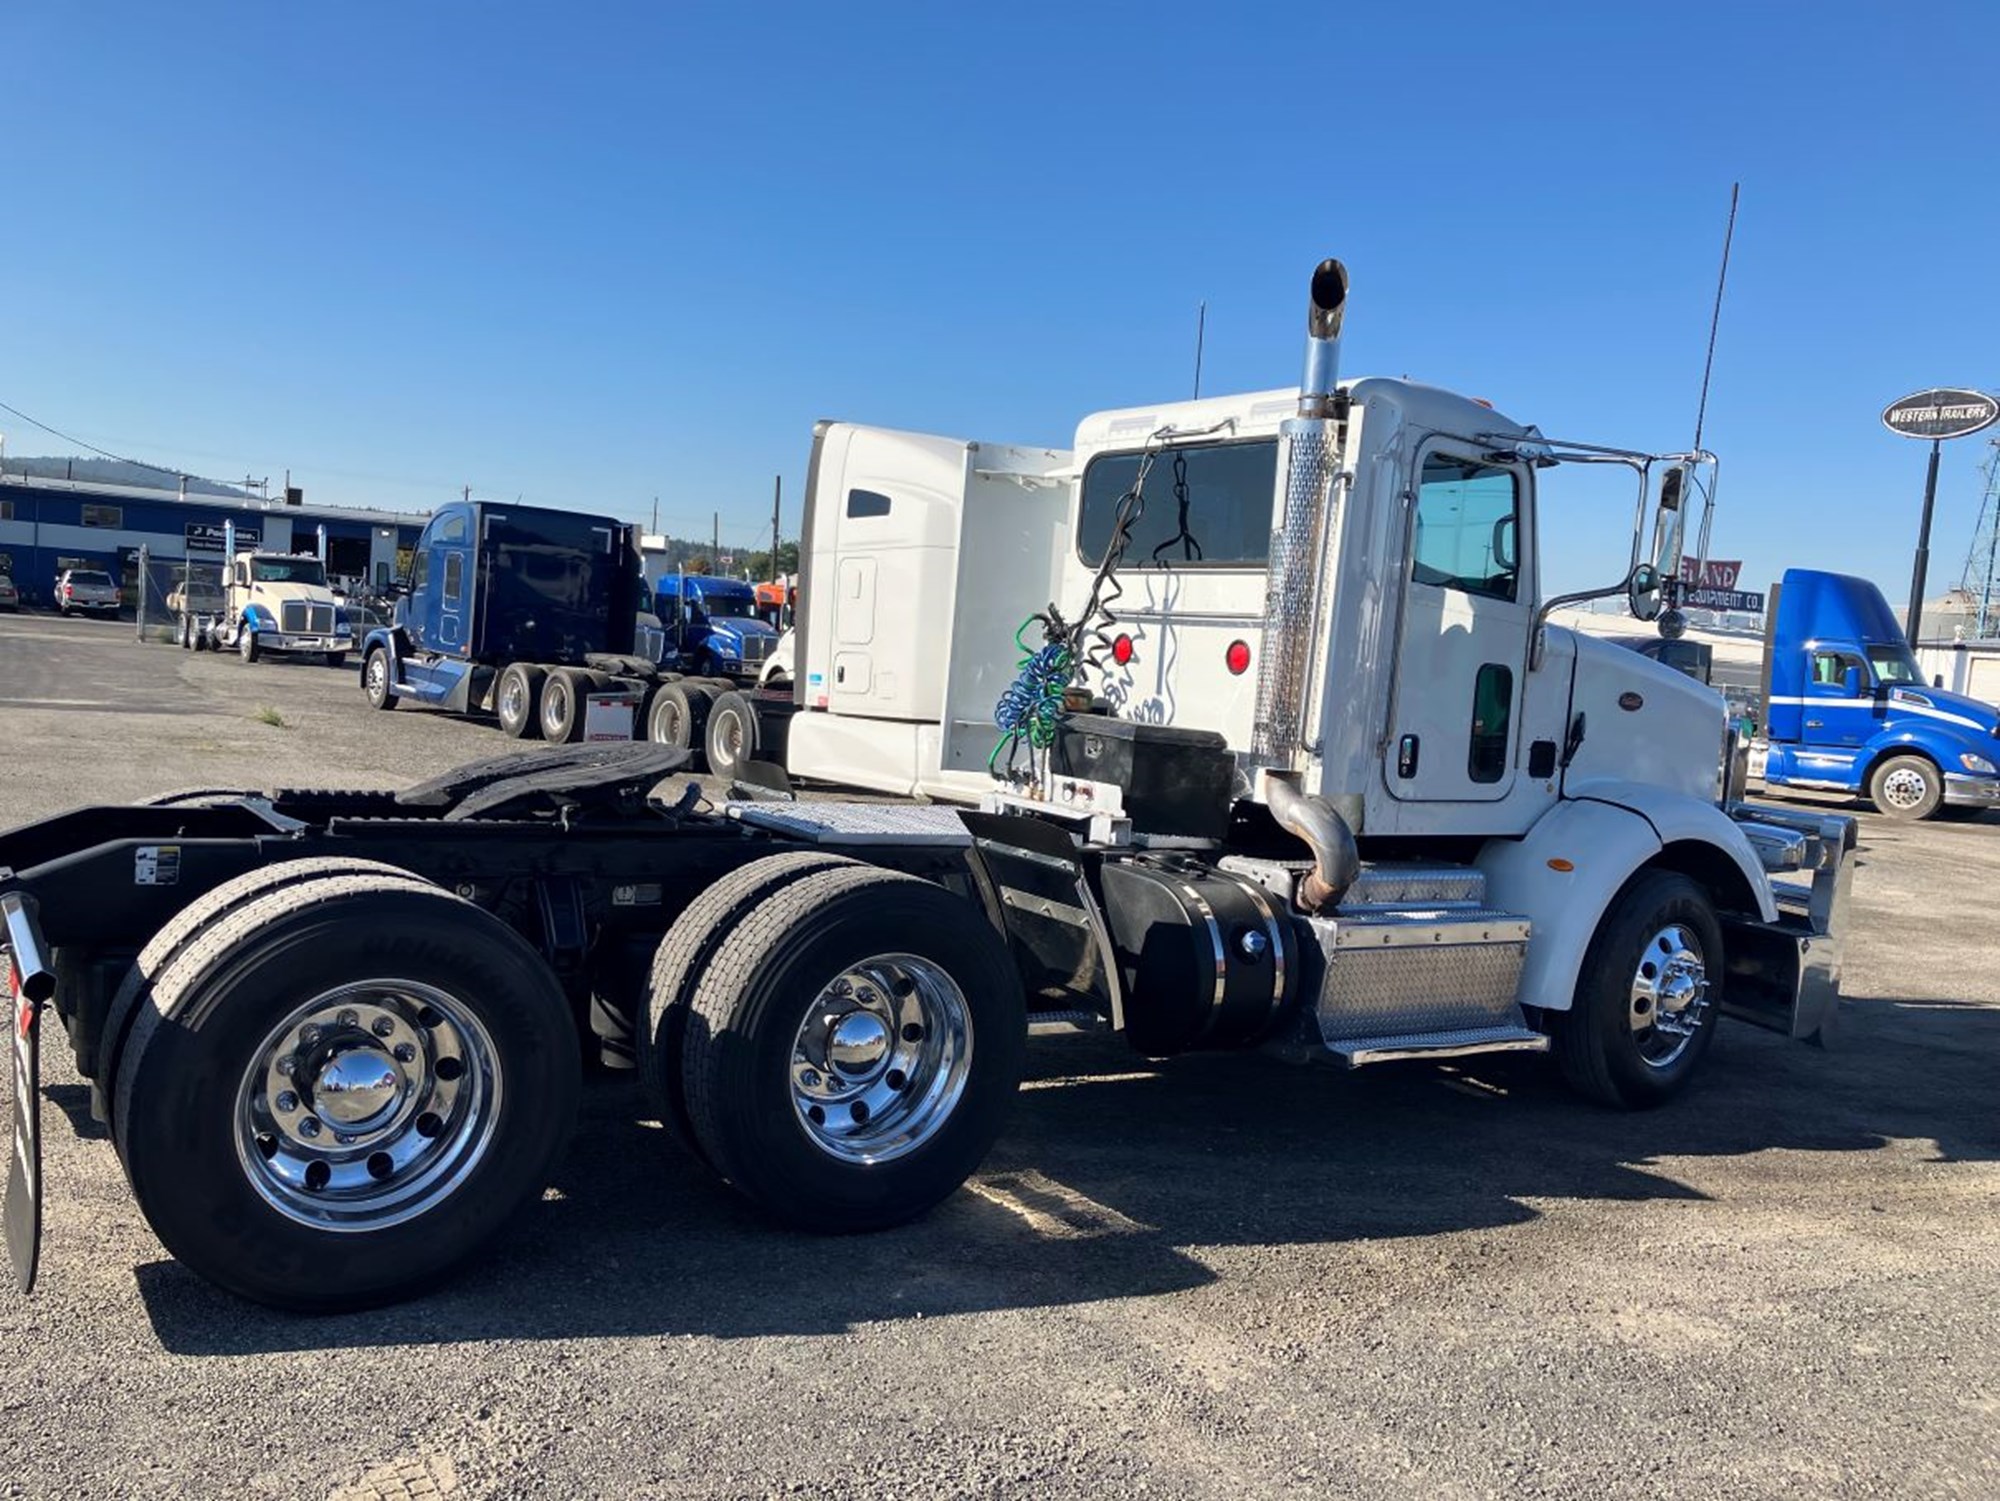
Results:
1847 709
280 602
717 626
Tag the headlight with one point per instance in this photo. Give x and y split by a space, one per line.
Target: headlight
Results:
1977 764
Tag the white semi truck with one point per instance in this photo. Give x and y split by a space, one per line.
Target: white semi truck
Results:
271 603
1290 759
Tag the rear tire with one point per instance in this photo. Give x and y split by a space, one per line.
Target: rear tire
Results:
1648 996
683 955
185 926
1906 787
517 700
357 988
852 1048
731 736
561 714
377 680
677 716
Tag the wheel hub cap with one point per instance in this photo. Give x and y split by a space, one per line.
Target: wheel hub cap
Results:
857 1043
1904 788
356 1086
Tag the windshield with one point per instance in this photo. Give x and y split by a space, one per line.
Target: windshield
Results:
1894 665
288 571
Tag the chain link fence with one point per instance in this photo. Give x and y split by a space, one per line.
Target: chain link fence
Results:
169 592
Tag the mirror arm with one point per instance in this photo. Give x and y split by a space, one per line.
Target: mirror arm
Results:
1556 602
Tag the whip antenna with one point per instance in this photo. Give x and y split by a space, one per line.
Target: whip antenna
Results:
1715 318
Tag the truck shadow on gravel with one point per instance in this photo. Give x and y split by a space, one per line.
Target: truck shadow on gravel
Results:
1112 1166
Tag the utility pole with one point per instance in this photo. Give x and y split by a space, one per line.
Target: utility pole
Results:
777 495
715 546
467 493
1200 333
656 516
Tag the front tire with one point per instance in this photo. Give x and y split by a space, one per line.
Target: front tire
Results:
377 681
246 643
852 1048
1647 997
1906 787
311 1110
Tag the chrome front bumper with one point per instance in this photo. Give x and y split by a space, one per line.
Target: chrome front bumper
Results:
281 641
1961 791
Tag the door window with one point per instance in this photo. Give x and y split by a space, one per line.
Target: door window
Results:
1467 527
1492 709
1829 671
454 574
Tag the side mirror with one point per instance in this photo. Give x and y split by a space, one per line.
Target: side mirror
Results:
1642 592
1669 520
1850 682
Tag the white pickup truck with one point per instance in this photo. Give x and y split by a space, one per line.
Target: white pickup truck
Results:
86 589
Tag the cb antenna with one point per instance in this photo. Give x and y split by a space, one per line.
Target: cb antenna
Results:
1715 318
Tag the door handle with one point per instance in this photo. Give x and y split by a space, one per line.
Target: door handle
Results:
1815 724
1406 756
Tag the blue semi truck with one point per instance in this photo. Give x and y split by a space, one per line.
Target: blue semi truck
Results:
713 625
528 614
1846 708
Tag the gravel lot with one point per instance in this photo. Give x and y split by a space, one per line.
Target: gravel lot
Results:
1215 1277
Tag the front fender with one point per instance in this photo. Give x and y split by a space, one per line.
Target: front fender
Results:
1605 833
385 638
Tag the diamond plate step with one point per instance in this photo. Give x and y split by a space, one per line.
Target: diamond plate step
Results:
1388 884
1357 1051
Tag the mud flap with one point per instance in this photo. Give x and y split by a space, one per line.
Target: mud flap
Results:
23 1212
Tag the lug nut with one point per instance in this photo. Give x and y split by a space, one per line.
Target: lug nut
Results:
810 1078
309 1126
383 1026
350 1017
405 1052
286 1100
288 1065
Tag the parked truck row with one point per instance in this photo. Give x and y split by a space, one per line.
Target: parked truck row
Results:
1273 745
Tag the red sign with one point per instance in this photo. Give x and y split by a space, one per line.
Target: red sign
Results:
1717 575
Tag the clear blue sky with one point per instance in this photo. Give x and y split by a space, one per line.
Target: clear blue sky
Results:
589 254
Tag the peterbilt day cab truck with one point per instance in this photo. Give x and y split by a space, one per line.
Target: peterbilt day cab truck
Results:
271 603
1286 757
1847 708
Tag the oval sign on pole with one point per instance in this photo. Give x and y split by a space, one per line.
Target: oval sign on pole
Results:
1942 412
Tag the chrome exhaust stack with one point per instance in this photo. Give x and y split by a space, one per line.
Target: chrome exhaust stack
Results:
1311 459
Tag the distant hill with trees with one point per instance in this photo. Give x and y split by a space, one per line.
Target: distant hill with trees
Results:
93 471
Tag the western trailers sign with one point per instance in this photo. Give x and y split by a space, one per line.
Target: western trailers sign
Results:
1942 412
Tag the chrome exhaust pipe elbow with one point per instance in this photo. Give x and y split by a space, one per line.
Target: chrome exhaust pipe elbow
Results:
1336 857
1323 316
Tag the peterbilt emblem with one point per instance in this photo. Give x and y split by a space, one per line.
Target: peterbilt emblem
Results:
1630 701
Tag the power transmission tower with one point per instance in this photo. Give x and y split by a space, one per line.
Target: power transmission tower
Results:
1982 562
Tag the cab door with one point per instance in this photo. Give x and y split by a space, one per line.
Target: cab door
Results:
1462 649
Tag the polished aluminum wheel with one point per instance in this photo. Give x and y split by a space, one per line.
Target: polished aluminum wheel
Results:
378 676
1669 996
669 723
513 698
1905 788
881 1059
368 1105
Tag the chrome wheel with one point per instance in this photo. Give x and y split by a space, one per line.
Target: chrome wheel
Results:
881 1059
368 1105
1669 995
669 723
1905 788
513 699
378 676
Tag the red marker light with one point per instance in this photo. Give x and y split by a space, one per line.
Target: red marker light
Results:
1238 657
1121 650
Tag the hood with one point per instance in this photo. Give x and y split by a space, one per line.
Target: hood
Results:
1968 713
743 627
